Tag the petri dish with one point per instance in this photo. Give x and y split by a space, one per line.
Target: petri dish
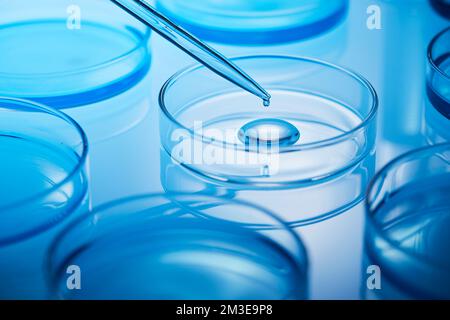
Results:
329 116
408 216
91 60
255 22
44 182
438 80
69 53
179 246
315 169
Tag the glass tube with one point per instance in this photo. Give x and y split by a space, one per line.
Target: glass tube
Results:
309 182
327 43
179 246
44 183
408 217
92 60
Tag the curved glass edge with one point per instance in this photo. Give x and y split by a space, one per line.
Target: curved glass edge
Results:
367 120
262 37
136 61
78 171
98 94
300 255
438 80
375 194
421 153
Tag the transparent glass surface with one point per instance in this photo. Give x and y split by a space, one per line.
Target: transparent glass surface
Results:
408 216
43 183
179 246
255 22
318 174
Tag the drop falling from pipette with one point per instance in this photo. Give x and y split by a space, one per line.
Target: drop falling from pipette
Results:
190 44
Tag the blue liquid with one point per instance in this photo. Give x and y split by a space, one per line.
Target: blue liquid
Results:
45 61
179 259
269 132
416 263
255 22
439 90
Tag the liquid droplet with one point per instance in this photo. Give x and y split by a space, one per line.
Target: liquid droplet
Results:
269 132
266 102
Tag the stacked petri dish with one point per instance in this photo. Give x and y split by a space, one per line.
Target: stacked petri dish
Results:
89 59
307 157
43 155
179 246
408 216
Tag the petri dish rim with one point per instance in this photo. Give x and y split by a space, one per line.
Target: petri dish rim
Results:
53 112
260 35
430 53
265 15
142 42
307 146
424 152
302 251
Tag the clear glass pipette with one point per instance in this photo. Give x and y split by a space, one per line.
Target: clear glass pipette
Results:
190 44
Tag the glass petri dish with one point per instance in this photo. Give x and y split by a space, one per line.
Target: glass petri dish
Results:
408 217
179 246
331 109
44 182
438 81
90 59
69 53
255 22
312 171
